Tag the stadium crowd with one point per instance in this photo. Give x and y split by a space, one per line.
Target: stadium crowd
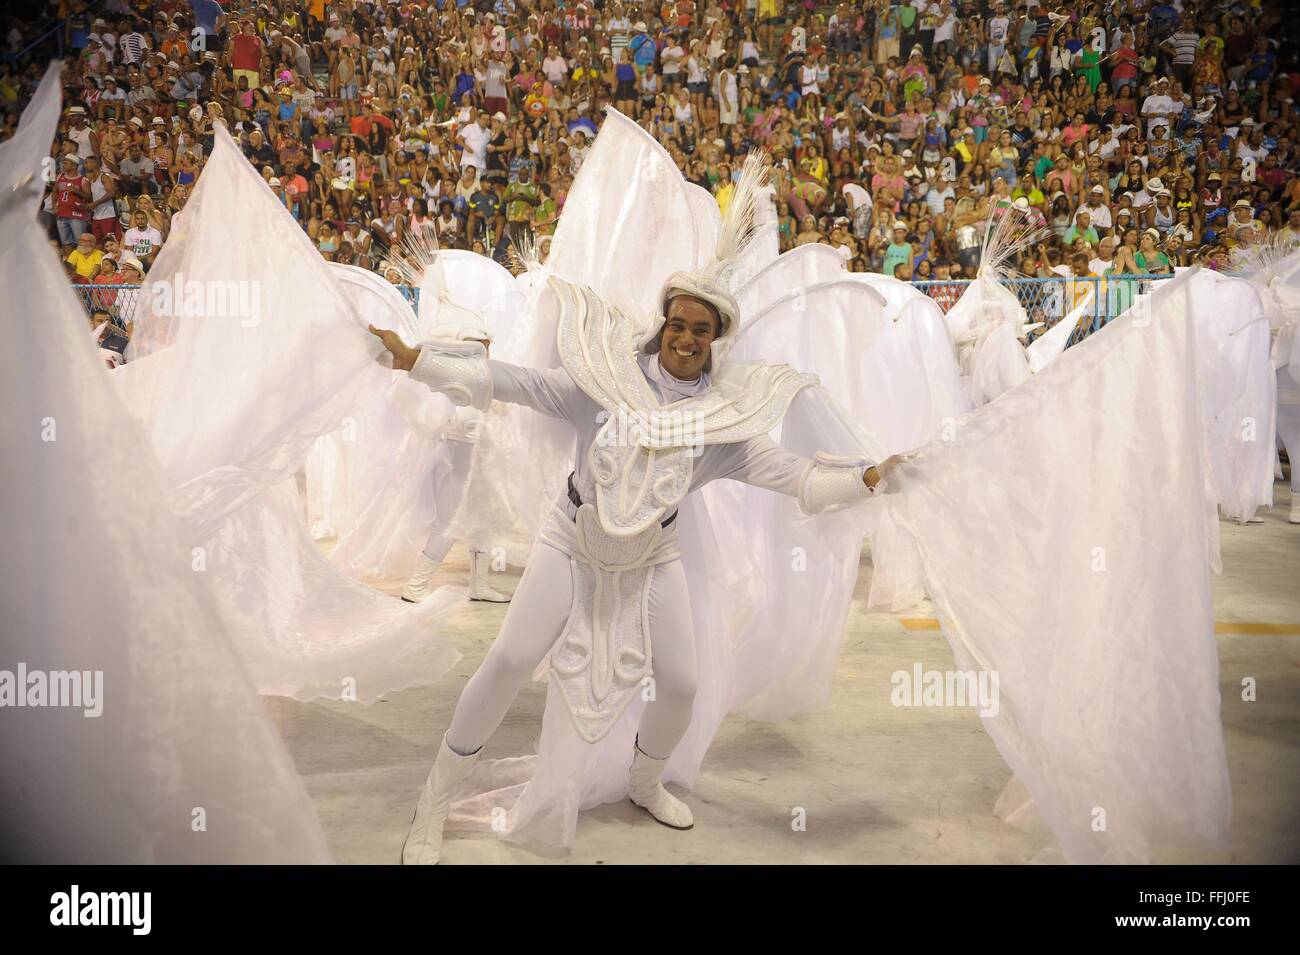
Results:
1144 134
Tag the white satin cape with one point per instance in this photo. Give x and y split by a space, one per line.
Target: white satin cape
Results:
246 351
183 765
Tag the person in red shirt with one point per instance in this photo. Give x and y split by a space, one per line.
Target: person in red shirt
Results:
1271 174
107 275
361 126
246 54
71 203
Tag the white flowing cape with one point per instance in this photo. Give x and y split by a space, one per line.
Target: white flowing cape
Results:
182 765
368 483
1064 531
247 351
1239 390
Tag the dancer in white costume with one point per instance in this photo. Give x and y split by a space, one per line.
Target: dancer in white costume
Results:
446 317
657 416
1274 270
451 468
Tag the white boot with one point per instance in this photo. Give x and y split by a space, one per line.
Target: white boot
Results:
1294 517
648 792
423 844
418 587
479 563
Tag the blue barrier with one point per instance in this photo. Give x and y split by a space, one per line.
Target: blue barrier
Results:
1051 299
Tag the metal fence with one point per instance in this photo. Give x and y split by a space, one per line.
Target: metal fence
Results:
1044 300
1050 300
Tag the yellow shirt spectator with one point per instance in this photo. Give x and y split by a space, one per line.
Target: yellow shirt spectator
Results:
86 263
724 194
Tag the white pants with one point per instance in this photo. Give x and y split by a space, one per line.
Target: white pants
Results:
1288 422
533 624
450 472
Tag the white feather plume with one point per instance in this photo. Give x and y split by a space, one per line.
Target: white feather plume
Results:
418 261
740 221
1009 234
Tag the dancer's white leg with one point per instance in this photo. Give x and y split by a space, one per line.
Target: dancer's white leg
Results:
672 642
449 473
480 562
533 623
668 716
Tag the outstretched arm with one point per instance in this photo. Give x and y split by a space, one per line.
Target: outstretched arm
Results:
819 483
462 371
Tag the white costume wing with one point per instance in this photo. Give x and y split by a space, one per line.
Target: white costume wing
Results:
895 374
998 363
628 221
28 164
804 267
382 456
1048 347
912 309
986 323
101 578
483 285
253 353
1239 390
1105 655
706 217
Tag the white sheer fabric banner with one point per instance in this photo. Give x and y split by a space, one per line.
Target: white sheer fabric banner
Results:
1239 390
1078 575
148 743
247 351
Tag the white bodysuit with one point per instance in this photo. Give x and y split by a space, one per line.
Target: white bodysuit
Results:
542 603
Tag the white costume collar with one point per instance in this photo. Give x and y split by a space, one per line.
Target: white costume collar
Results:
671 389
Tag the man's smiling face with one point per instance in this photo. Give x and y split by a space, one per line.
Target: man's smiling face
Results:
690 327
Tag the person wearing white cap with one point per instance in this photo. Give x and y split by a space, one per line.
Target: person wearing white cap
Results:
899 250
112 99
1159 104
1098 211
79 132
1243 213
132 270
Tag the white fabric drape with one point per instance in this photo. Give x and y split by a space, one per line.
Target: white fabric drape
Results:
182 765
247 350
1071 561
1239 390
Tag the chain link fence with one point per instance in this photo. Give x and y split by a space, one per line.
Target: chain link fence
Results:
1044 300
1050 300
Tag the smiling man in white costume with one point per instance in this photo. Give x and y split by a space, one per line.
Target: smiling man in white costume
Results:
658 413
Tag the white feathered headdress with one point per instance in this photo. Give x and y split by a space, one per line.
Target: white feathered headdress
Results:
713 282
420 264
